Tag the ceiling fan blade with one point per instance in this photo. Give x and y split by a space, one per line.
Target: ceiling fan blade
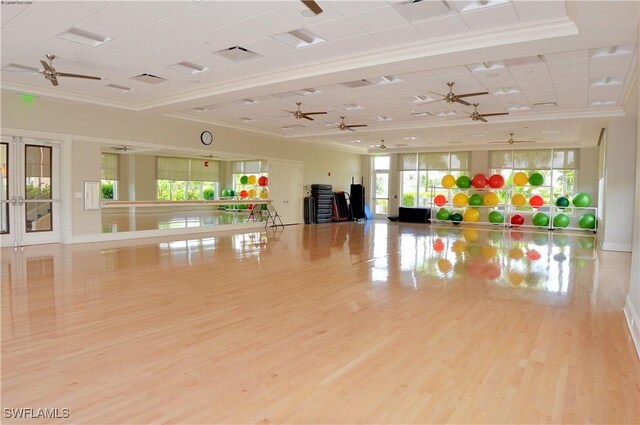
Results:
307 118
313 113
53 80
464 102
349 128
506 141
472 94
494 114
524 141
357 125
47 67
87 77
483 119
313 6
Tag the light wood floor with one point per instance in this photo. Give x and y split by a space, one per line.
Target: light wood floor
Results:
339 323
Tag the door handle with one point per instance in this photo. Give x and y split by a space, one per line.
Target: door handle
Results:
14 201
20 200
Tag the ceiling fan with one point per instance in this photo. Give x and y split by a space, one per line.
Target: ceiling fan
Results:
52 75
451 97
477 116
299 114
343 126
511 140
313 6
382 145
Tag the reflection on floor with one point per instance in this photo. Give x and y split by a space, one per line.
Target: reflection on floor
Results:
338 323
145 220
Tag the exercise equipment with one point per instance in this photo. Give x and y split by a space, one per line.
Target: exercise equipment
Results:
263 181
225 193
536 179
475 200
540 219
264 194
520 179
536 201
587 221
252 179
244 180
518 200
562 202
496 217
560 220
496 181
517 220
480 181
323 195
463 182
455 217
490 199
471 215
244 194
252 193
581 200
439 200
460 200
448 181
443 214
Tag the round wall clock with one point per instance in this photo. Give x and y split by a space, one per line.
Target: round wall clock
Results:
206 137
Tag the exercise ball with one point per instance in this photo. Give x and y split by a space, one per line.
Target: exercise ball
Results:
460 200
587 221
496 181
225 193
562 202
475 200
540 219
536 201
455 217
496 217
560 220
480 181
518 200
252 193
581 200
443 214
232 192
448 181
517 220
264 194
490 199
252 180
471 215
263 181
463 182
439 200
520 179
244 194
536 179
244 180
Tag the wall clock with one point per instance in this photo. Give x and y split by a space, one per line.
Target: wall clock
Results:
206 138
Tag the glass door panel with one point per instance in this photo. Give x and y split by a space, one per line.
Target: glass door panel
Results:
4 188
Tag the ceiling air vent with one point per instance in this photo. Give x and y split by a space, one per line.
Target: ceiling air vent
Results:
418 10
149 79
545 105
84 37
14 67
357 83
237 54
119 88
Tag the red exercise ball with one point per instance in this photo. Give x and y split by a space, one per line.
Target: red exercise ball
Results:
517 220
244 193
496 181
536 201
440 200
263 181
479 181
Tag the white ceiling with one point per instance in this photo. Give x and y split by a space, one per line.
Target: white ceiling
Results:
559 69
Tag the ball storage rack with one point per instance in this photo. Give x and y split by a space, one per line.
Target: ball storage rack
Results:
484 210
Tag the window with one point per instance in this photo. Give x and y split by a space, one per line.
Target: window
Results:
558 166
381 166
256 169
419 172
109 181
186 179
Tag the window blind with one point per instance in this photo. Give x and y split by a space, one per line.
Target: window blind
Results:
186 169
535 159
566 159
249 167
109 166
408 162
433 161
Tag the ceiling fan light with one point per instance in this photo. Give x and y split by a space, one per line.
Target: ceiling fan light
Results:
87 38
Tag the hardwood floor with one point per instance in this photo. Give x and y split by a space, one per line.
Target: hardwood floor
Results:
340 323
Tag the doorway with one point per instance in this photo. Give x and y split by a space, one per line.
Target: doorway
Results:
29 192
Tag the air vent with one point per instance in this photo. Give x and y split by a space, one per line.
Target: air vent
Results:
525 61
421 99
291 127
516 108
545 105
188 67
237 54
301 37
149 79
247 119
447 113
422 114
505 90
351 106
84 37
603 103
611 51
14 67
485 66
401 145
118 88
307 92
249 101
382 118
606 81
357 83
385 79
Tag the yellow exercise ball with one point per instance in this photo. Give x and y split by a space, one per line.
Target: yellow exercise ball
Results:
264 194
460 200
449 181
490 199
253 180
518 200
471 215
252 193
520 179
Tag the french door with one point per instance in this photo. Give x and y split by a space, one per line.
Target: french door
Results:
29 207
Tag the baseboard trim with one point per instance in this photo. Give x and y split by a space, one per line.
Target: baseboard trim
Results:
633 322
620 247
119 236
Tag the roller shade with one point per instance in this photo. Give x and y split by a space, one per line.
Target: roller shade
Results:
186 169
205 170
459 161
249 167
532 159
109 166
501 159
433 161
535 159
408 162
566 159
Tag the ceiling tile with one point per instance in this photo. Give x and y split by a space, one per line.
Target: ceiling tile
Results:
378 19
404 34
159 34
11 11
299 13
533 10
229 36
202 18
360 44
268 47
237 11
271 23
442 27
350 7
336 29
491 17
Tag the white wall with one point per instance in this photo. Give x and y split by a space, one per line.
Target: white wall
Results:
588 173
85 160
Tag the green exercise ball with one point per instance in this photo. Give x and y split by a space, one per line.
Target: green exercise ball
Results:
241 206
560 220
496 217
540 219
463 182
587 221
244 180
536 179
456 218
443 214
562 202
475 200
581 200
225 192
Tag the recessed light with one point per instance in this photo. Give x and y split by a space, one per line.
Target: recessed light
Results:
188 67
84 37
382 118
302 37
602 103
118 88
247 119
410 138
355 141
351 106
